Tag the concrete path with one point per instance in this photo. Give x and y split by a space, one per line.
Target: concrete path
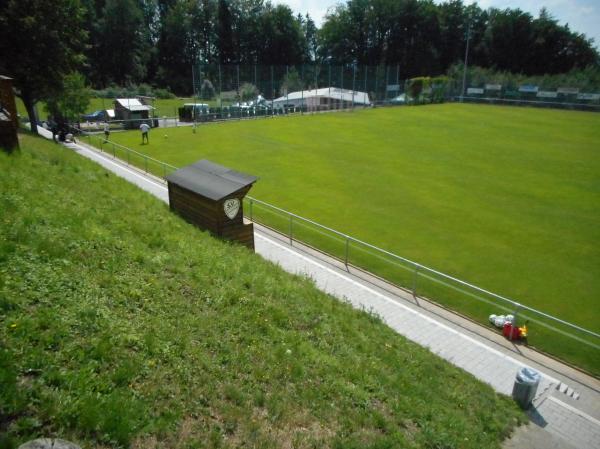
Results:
566 412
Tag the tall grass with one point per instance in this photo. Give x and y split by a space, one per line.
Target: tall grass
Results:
123 326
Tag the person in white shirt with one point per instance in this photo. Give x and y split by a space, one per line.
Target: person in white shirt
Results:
106 131
145 128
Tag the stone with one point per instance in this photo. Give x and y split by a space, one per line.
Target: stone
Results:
49 443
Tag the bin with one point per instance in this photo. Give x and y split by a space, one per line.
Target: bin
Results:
525 387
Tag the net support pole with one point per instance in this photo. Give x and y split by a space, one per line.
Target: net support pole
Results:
353 84
376 81
272 91
302 87
342 86
329 84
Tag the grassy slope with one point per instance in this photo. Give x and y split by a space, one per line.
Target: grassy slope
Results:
506 198
121 324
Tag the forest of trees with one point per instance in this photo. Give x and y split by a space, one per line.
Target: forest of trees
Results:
156 42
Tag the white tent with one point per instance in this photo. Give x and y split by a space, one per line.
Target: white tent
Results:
324 98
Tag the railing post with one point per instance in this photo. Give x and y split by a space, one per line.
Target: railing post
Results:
291 229
514 323
415 276
128 156
346 251
251 202
114 153
146 164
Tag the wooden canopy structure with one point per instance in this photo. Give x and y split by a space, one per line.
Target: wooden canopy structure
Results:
211 197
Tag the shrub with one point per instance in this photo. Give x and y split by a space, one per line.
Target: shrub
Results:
207 90
248 92
163 94
415 88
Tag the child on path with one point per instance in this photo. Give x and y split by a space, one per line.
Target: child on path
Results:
145 128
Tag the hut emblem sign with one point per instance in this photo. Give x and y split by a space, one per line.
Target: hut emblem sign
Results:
231 207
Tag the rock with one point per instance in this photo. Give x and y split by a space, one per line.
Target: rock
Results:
49 443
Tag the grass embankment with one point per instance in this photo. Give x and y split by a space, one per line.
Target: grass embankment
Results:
123 325
505 198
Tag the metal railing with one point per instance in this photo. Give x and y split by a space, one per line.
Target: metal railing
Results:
417 269
418 279
147 164
524 102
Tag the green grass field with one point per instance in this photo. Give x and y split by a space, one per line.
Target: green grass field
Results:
504 198
123 326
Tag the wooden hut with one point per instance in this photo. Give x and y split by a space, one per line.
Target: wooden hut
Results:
133 112
9 122
211 197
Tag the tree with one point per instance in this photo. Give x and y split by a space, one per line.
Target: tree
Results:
291 82
123 46
40 43
71 101
248 92
310 35
225 43
207 90
282 40
176 47
453 32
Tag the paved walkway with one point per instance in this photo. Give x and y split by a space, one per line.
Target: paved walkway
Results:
566 412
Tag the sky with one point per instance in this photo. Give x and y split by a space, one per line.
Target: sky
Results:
583 16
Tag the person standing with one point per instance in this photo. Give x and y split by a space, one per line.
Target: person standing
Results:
145 128
106 131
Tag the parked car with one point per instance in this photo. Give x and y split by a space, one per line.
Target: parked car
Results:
96 116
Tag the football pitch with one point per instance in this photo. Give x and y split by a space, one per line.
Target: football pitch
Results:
505 198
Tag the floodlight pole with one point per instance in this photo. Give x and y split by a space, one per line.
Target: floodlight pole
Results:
464 83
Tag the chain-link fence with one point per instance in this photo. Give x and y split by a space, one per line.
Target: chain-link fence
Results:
241 91
308 86
550 96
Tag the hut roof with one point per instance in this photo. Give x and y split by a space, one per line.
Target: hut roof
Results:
210 180
133 104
